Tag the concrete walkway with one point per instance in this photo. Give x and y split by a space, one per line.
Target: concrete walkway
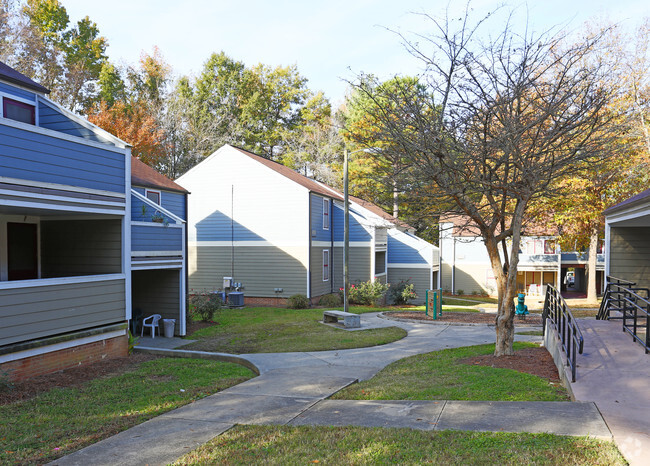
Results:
614 372
293 388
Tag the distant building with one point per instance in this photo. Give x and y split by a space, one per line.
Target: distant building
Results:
279 233
465 264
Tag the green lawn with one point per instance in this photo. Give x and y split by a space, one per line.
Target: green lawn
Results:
276 330
441 376
63 420
359 445
468 300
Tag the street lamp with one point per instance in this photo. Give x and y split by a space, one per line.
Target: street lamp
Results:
346 224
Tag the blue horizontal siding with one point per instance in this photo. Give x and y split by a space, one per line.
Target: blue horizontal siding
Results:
37 157
357 232
322 234
402 253
218 227
53 119
172 201
6 88
156 238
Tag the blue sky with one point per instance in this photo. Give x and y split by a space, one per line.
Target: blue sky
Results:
329 41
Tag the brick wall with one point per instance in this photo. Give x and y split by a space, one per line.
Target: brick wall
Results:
66 358
276 302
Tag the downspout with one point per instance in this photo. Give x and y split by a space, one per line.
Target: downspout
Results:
186 267
332 262
453 265
309 246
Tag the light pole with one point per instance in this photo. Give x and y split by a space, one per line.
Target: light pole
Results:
346 225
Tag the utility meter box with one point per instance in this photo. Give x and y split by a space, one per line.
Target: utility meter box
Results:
227 282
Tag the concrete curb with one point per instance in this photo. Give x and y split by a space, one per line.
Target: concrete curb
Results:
225 357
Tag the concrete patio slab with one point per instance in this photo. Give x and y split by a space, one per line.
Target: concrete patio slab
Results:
158 441
556 417
421 415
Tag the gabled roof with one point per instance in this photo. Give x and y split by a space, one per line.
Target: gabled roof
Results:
375 209
287 172
643 196
7 73
143 175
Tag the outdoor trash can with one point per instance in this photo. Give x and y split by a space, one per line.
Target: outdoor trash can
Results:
168 325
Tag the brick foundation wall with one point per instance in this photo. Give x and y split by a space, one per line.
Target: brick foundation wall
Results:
66 358
271 301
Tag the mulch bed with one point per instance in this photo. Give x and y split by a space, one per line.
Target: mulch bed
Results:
464 317
73 377
536 361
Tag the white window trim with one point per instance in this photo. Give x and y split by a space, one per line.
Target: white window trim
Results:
147 191
326 253
22 100
326 216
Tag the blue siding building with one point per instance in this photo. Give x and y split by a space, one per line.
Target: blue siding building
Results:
69 273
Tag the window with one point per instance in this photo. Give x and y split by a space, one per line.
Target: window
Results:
18 111
326 214
380 262
152 195
549 246
326 265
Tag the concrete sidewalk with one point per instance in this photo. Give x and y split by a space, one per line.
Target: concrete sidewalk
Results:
293 389
614 372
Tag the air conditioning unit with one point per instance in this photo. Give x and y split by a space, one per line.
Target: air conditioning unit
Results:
236 299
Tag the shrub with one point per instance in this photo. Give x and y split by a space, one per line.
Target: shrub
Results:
403 292
203 306
330 300
367 293
298 301
460 292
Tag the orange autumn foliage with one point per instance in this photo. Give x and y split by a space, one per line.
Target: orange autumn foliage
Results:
134 125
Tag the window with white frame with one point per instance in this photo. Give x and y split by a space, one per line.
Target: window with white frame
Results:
326 265
152 195
18 111
326 214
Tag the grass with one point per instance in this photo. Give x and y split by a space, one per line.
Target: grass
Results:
63 420
276 330
441 376
358 445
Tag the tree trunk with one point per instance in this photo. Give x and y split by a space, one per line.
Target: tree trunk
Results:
507 284
591 265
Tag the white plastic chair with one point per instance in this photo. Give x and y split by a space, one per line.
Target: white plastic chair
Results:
153 323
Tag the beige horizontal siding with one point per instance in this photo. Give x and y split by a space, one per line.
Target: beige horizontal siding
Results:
260 269
157 292
420 277
40 311
629 253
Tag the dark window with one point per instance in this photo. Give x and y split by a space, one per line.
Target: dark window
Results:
380 262
18 111
22 247
549 246
153 196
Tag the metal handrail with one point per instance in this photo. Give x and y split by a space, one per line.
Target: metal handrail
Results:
637 309
616 290
557 312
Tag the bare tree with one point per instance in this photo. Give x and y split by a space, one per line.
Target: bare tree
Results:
504 118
